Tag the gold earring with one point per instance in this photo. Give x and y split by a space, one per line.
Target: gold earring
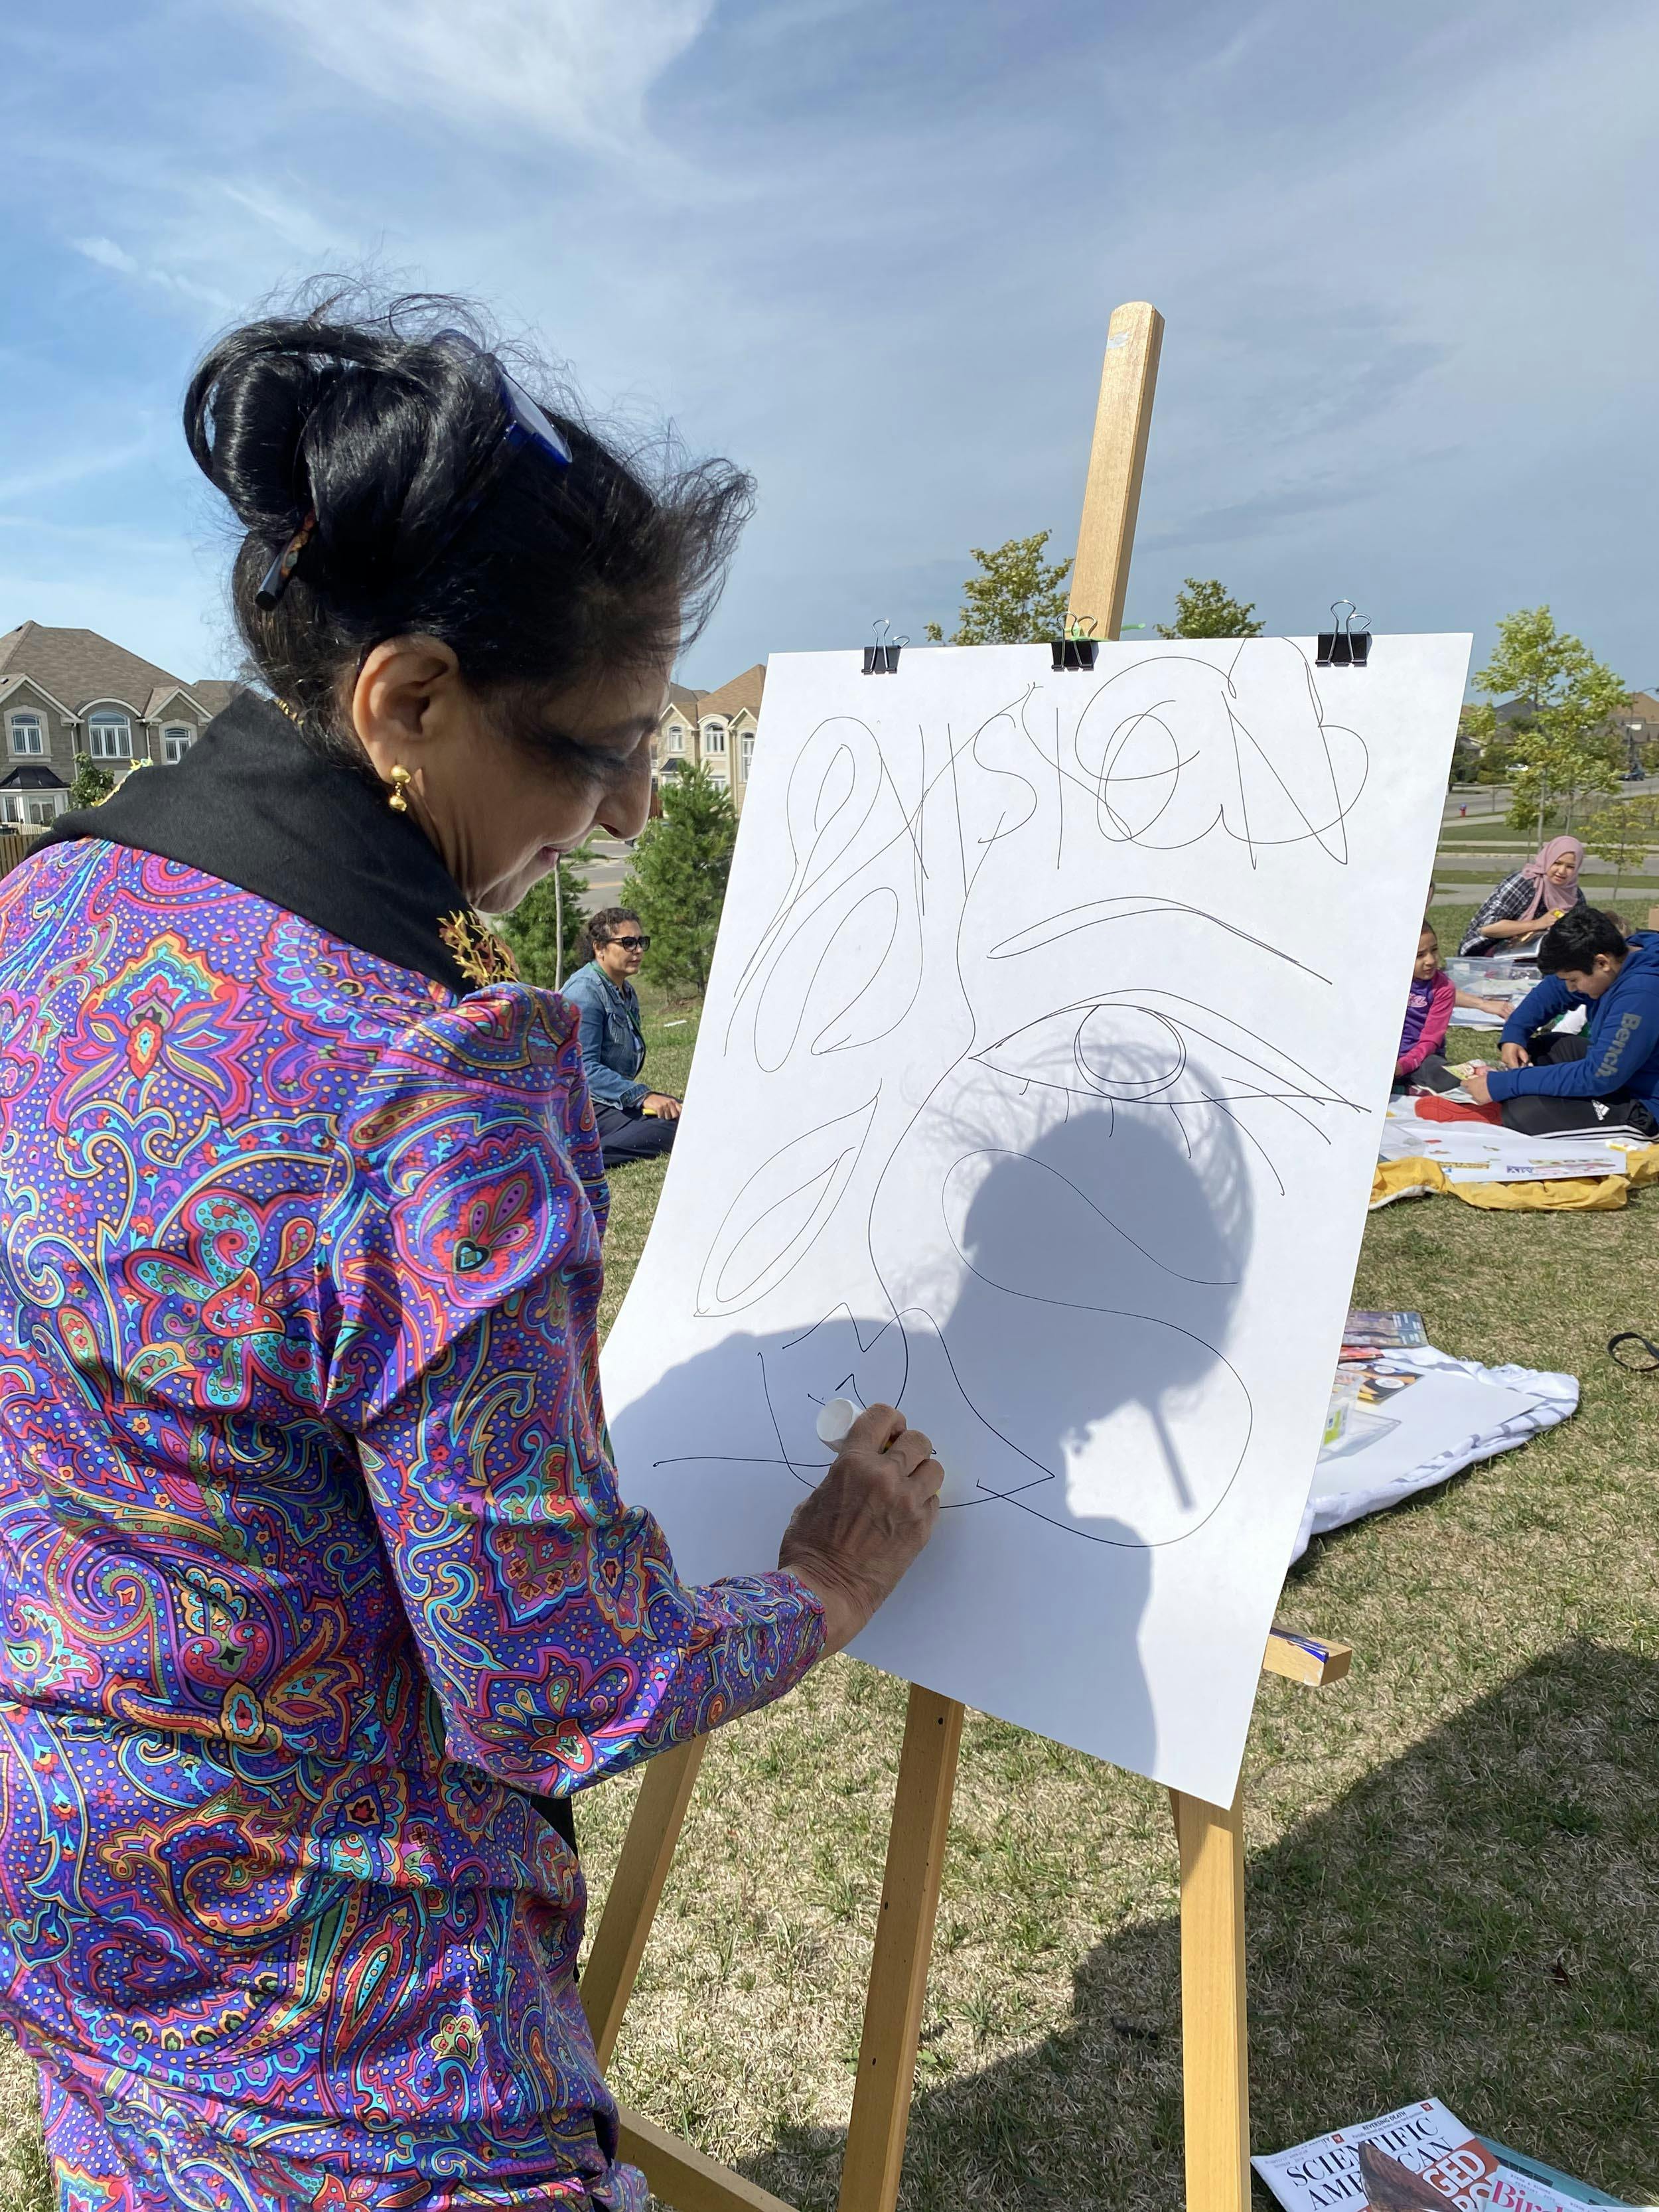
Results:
398 800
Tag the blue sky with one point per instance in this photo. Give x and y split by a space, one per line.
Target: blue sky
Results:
1406 253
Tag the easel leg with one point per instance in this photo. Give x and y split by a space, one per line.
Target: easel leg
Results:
647 1853
904 1943
1213 2028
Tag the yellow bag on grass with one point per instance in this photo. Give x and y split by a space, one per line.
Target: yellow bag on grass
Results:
1421 1178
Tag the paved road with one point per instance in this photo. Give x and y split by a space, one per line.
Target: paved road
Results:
604 877
1489 802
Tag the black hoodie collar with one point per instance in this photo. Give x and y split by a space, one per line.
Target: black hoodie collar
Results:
252 804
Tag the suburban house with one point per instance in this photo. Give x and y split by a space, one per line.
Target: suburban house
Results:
67 696
716 729
1638 723
1635 724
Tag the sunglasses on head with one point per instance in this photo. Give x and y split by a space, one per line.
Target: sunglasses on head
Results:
631 944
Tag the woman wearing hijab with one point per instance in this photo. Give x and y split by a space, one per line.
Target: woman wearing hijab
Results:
1525 904
319 1598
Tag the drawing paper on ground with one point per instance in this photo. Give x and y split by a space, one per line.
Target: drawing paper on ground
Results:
1038 1091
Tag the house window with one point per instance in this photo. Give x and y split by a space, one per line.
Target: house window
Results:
31 809
29 735
677 736
176 738
748 752
109 737
714 737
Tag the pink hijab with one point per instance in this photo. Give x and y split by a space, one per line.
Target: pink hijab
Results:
1551 896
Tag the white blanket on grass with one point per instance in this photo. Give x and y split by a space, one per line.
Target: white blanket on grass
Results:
1455 1413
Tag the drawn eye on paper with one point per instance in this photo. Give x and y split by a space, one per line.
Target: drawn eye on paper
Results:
1155 1047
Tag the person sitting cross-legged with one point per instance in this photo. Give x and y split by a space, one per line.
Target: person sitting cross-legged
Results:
1606 1080
634 1121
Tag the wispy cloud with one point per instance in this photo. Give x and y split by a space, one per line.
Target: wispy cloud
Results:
869 252
577 71
106 254
79 467
292 220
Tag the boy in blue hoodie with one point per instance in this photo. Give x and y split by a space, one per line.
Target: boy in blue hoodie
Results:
1605 1081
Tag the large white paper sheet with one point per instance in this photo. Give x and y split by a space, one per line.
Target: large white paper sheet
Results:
1037 1091
1485 1152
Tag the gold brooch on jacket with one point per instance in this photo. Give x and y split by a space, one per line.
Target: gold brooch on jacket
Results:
481 956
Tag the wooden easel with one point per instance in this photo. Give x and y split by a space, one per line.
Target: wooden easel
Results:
1210 1840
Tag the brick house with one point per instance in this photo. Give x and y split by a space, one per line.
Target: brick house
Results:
1638 725
68 694
714 728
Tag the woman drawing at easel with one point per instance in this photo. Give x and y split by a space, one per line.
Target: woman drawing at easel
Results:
320 1597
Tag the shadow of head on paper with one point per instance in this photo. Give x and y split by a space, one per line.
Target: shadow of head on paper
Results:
1097 1266
1047 1302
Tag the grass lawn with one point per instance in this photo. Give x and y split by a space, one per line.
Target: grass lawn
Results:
1454 1855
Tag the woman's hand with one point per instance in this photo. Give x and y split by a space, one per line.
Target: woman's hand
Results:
1475 1082
1515 1055
852 1539
659 1103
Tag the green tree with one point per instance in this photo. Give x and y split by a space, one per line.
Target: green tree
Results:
533 928
1016 599
675 882
1624 834
1204 609
91 783
1491 742
1569 748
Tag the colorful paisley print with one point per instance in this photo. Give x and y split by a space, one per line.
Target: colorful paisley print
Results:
312 1567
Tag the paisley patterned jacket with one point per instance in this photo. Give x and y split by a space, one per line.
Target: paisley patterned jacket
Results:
313 1562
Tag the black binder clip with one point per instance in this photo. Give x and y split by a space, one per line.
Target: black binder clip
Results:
1077 649
1345 647
881 659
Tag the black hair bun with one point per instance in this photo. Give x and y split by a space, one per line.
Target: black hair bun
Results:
376 431
389 425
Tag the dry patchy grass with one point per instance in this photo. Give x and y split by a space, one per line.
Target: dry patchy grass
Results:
1454 1855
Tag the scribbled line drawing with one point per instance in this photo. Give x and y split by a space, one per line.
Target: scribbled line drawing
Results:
1054 928
1158 756
773 1220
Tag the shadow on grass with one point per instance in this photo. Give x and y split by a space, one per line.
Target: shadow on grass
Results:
1478 1920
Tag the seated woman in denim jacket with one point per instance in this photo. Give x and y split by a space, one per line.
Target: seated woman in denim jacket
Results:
635 1122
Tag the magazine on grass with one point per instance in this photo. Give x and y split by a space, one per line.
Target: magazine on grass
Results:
1367 1332
1353 1419
1415 2160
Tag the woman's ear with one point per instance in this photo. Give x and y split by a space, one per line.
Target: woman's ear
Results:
402 698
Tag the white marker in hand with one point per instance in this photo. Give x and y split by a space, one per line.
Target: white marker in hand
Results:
835 1419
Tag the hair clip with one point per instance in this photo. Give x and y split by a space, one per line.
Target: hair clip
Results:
279 576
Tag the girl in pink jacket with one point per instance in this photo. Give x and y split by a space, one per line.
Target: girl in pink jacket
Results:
1428 1016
